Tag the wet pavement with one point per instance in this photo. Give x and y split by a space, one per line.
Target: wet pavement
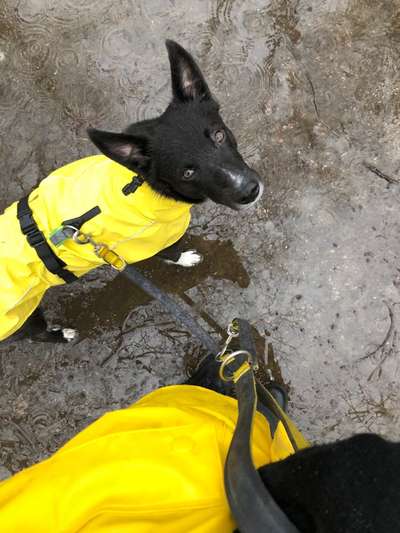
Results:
311 90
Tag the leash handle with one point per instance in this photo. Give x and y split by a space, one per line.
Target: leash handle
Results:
251 504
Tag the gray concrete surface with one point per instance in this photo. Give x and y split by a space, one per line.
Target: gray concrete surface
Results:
311 89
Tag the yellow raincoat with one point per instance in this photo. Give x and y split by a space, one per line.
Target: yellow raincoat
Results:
136 226
156 466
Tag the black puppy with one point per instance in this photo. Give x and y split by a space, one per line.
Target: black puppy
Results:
186 155
350 486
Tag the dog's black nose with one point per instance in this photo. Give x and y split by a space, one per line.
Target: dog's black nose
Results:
250 193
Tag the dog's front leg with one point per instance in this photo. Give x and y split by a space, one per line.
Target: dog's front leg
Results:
176 255
37 329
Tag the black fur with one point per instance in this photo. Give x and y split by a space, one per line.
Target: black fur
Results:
173 252
36 328
351 486
189 136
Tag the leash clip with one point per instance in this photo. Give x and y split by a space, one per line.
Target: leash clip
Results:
110 257
101 250
225 358
246 365
232 331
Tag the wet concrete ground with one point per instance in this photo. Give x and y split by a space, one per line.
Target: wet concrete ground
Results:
311 89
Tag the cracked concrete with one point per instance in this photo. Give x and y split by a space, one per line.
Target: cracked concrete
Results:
311 89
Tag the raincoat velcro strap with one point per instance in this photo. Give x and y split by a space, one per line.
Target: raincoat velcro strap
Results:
133 185
37 240
78 222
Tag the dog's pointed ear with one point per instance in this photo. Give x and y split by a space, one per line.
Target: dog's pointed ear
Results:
132 151
188 82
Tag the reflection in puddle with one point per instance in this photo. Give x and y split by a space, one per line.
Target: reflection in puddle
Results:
269 369
108 306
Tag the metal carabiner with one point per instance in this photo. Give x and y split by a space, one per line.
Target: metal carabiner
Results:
81 238
229 359
232 332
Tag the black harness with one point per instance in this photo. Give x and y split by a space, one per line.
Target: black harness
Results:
38 241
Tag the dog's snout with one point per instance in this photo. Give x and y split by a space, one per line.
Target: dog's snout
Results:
250 193
242 188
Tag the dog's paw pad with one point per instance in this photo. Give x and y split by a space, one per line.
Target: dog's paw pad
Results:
69 334
189 259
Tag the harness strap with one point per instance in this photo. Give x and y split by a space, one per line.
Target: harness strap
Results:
38 241
251 503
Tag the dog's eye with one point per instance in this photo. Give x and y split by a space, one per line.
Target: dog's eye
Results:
188 174
219 136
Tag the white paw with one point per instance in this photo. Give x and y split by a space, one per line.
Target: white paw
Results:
69 334
189 259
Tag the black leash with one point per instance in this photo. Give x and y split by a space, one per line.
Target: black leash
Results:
252 506
180 314
251 503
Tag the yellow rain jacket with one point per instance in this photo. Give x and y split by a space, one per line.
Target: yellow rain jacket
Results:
136 226
156 466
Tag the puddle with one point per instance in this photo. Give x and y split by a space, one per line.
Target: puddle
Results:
108 306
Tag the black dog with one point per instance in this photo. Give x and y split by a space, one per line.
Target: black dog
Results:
350 486
187 154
